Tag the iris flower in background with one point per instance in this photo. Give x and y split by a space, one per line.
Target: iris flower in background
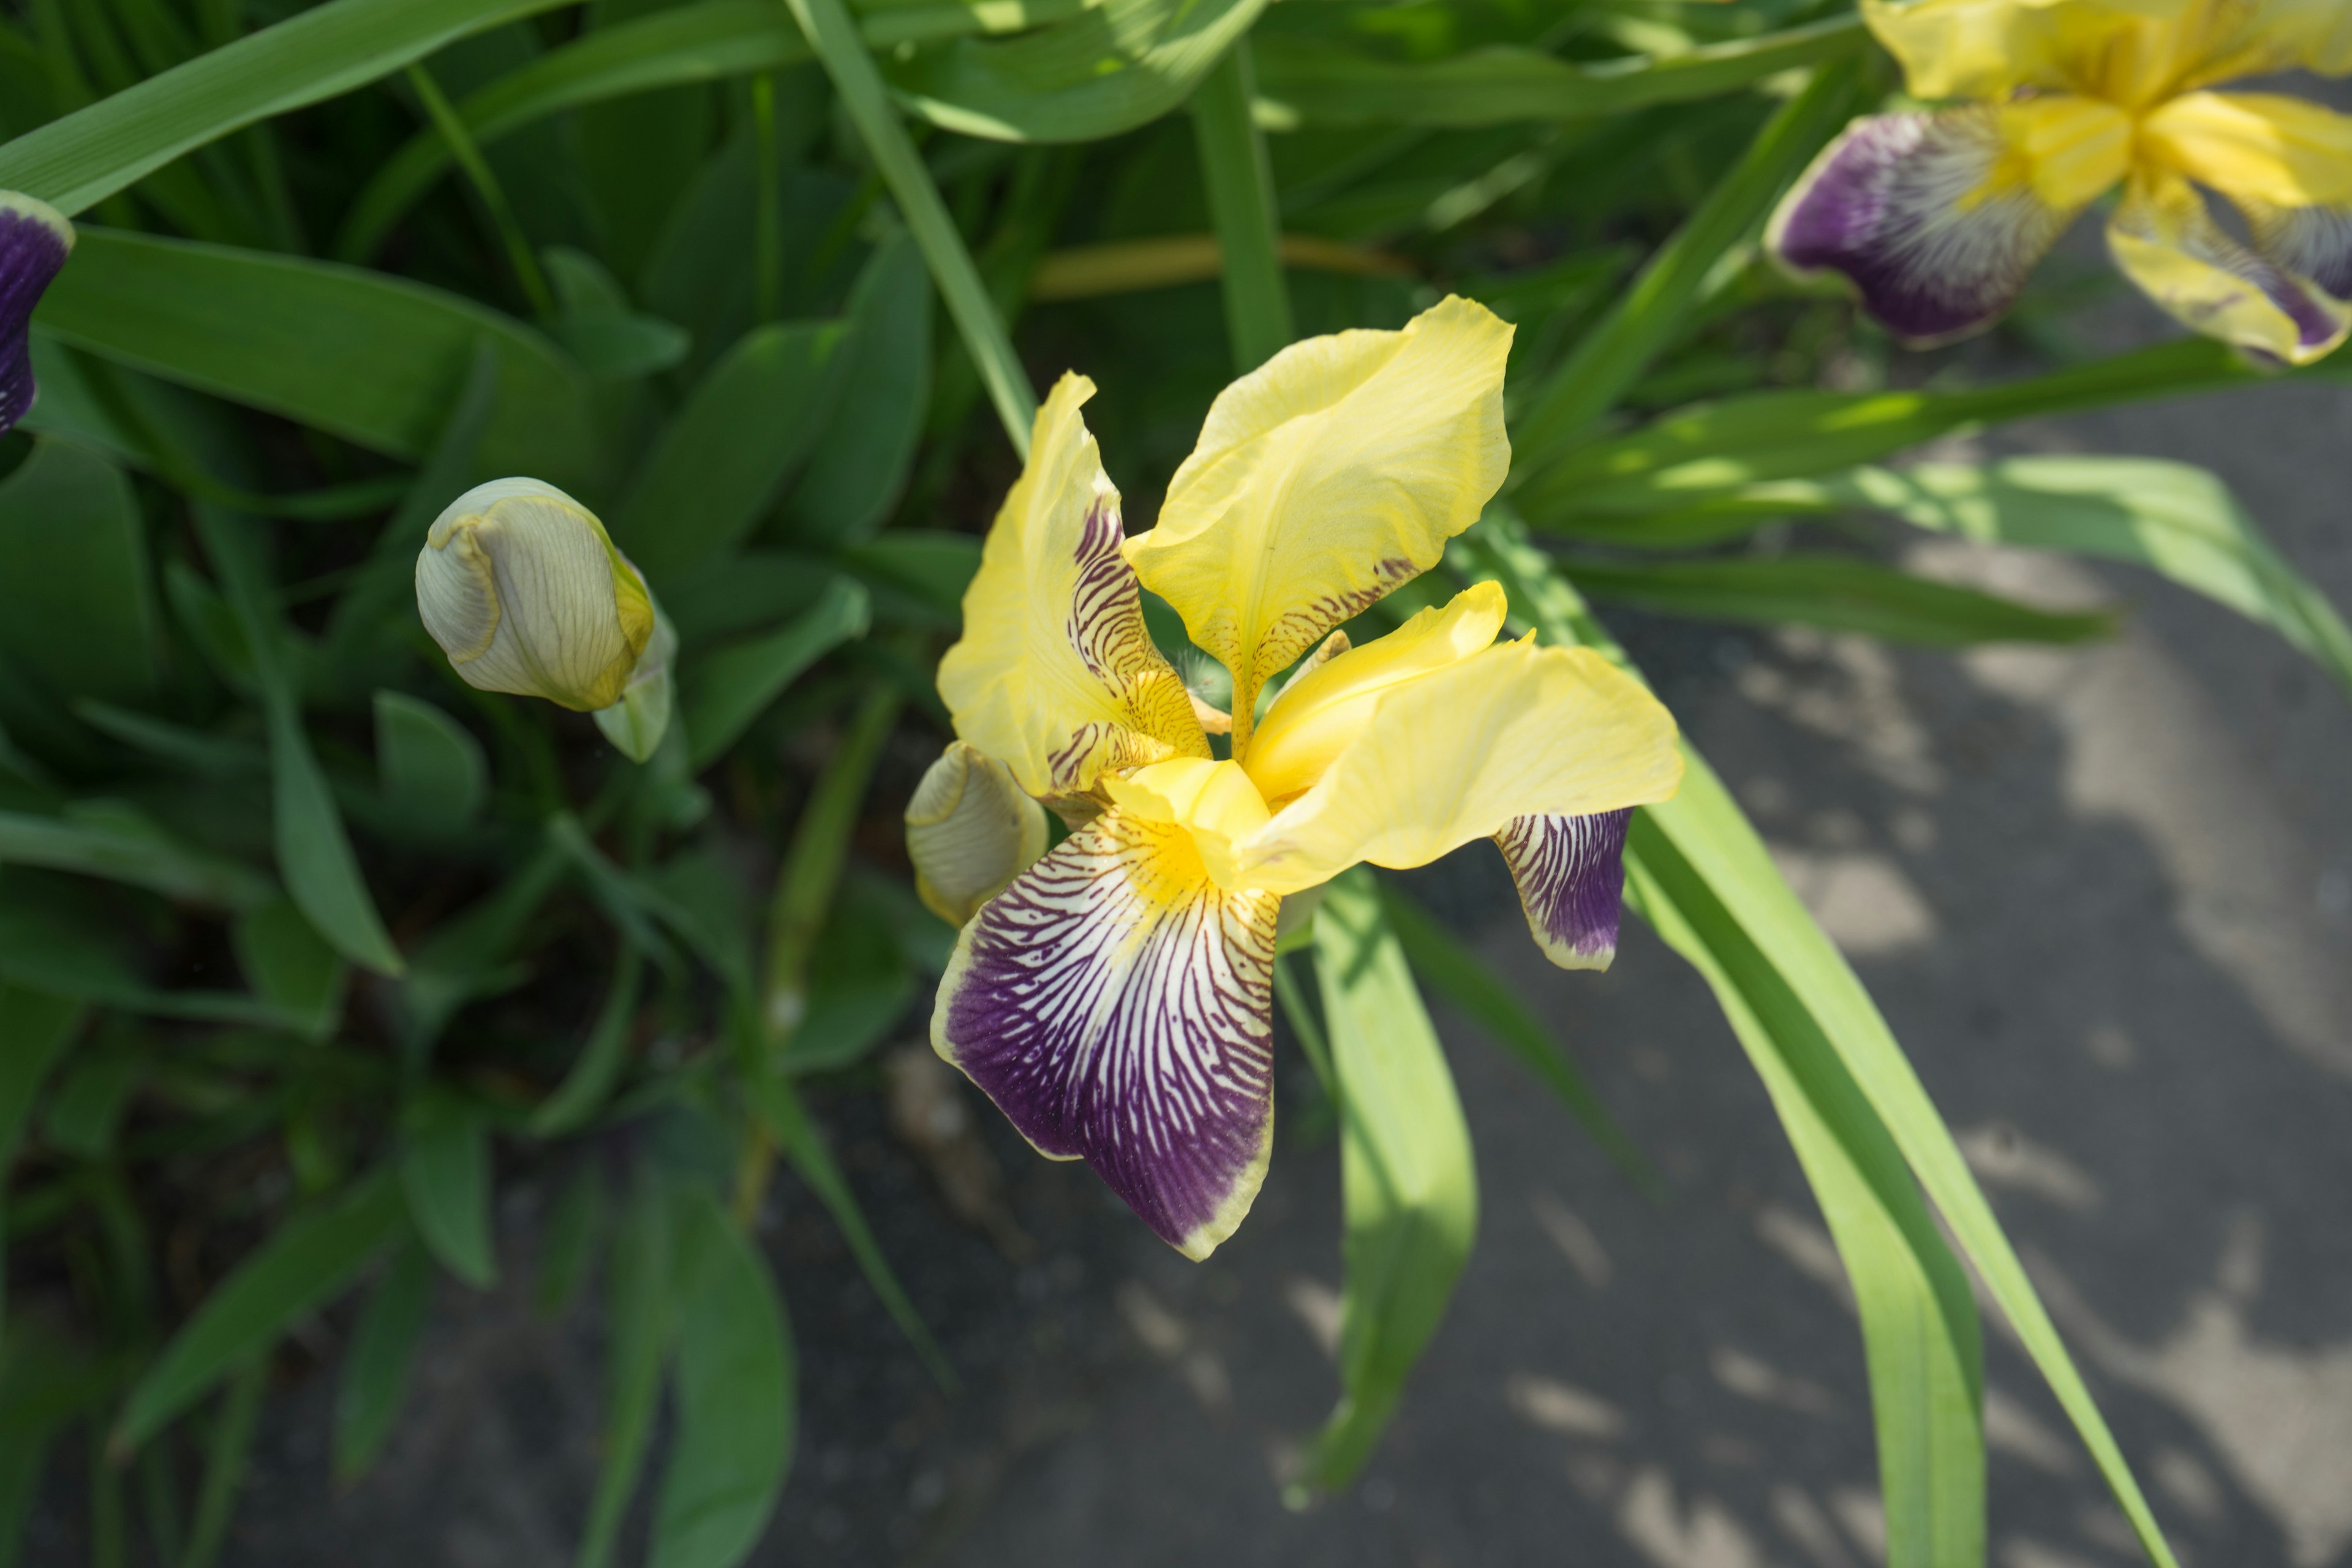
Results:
35 240
1937 218
527 594
1114 999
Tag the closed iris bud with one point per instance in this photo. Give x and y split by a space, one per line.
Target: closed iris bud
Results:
970 831
35 240
524 591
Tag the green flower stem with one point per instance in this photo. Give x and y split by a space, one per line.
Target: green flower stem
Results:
1242 205
1614 354
837 43
470 158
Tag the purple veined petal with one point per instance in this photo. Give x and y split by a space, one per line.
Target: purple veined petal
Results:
2164 236
1572 876
2313 243
1899 205
1116 1005
35 240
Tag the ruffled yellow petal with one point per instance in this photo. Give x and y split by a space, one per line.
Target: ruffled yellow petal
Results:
1322 711
1983 48
1457 754
2265 146
2257 38
1324 479
1056 675
2167 242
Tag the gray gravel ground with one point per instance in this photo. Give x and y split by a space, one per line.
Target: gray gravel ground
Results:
2103 896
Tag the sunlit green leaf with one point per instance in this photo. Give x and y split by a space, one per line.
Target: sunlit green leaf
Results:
1318 83
1837 592
1408 1183
80 160
375 359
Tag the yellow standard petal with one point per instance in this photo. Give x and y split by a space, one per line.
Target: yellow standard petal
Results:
1056 675
2261 146
1323 479
1516 730
1323 709
1979 48
522 588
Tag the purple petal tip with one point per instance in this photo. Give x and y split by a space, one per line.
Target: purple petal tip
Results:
35 240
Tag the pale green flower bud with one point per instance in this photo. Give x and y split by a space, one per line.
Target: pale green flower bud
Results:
635 723
970 831
525 592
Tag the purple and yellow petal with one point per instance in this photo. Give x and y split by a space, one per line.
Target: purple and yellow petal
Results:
1056 675
2312 242
35 240
1927 216
1571 872
1115 1004
2165 239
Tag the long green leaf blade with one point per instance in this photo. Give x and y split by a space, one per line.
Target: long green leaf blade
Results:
78 161
723 691
1837 592
306 1260
737 1397
1410 1187
382 1354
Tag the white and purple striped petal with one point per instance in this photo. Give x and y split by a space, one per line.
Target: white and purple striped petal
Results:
1115 1004
1572 876
1906 207
35 240
2313 243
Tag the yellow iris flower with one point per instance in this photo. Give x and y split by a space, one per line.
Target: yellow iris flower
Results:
1114 997
1937 217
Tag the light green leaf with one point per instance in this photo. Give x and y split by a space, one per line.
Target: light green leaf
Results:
431 768
1109 69
314 853
1837 592
445 1169
1309 78
1715 448
1918 1326
80 160
2172 518
1462 978
726 689
290 967
375 359
1728 865
111 840
382 1354
77 600
1608 360
727 455
858 466
642 1309
1238 180
737 1397
306 1261
1408 1183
